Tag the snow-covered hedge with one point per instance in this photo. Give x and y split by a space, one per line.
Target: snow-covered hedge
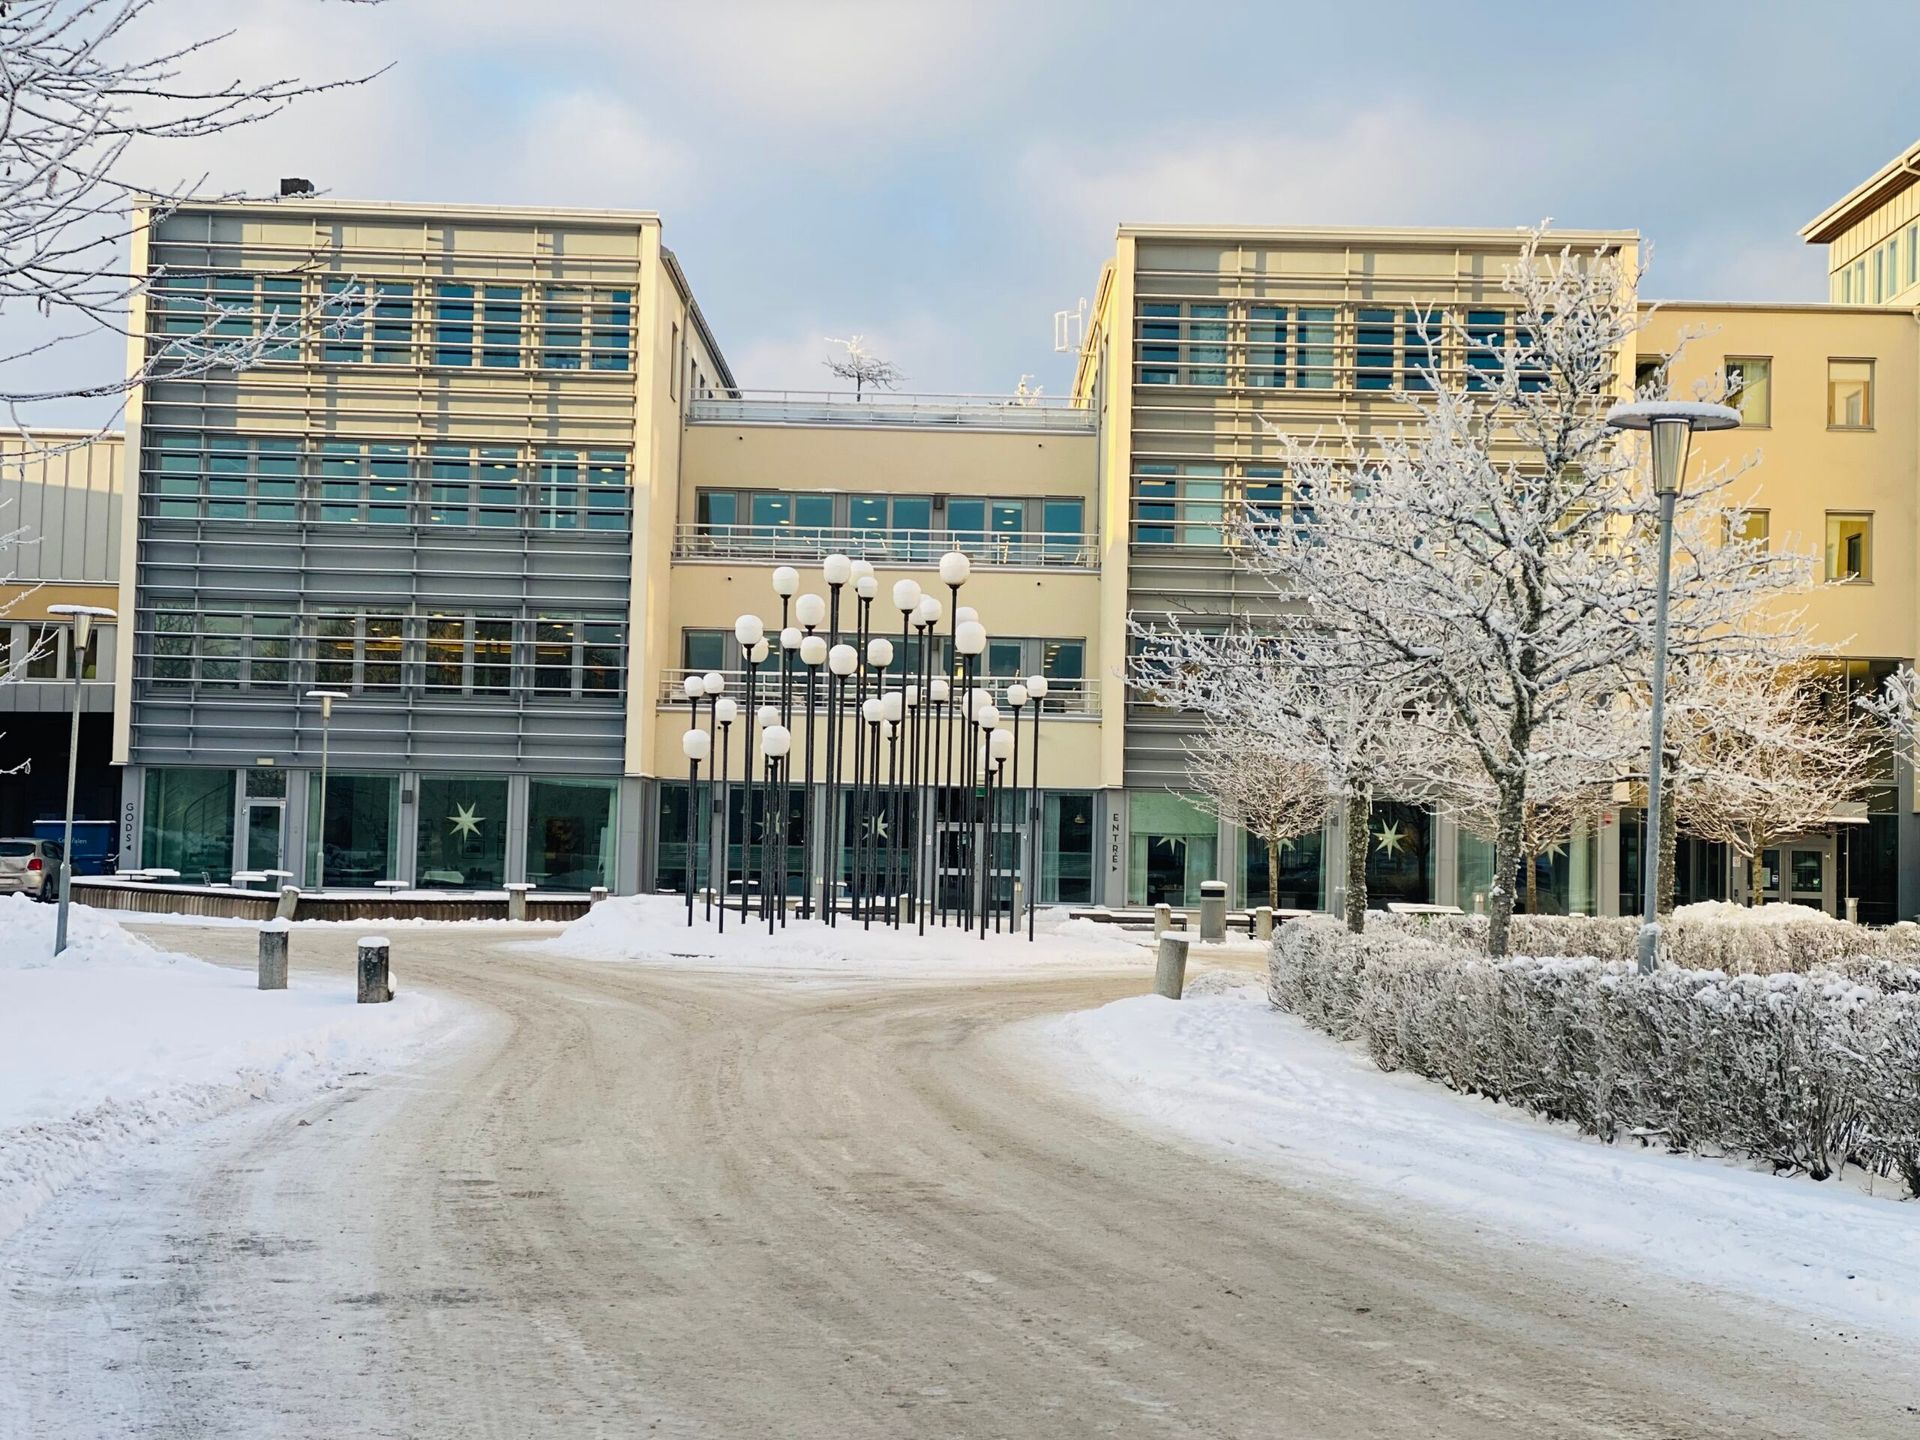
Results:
1805 1072
1772 940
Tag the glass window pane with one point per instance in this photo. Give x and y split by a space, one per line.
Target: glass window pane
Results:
1849 547
570 834
1750 389
462 834
362 818
1850 394
188 823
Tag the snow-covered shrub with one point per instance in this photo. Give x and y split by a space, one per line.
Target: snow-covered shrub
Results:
1773 939
1805 1072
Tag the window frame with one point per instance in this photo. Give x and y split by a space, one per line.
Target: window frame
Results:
1865 574
1871 408
1765 422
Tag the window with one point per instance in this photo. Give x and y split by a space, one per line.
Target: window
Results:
453 324
1373 336
1158 361
1849 547
1063 523
358 653
1849 394
613 331
1267 346
1649 374
1750 388
1750 527
1153 508
1486 347
1207 352
1313 356
500 335
43 652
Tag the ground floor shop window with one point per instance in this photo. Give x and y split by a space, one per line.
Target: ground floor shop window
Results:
1299 873
361 824
462 834
570 835
1399 856
1563 877
1171 850
1066 852
188 824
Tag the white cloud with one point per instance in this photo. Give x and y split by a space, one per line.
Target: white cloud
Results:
1394 165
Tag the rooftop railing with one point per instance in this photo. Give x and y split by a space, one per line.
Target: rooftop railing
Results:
775 544
1056 413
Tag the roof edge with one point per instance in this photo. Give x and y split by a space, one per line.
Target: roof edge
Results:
1869 195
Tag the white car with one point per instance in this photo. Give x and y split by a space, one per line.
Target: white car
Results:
30 867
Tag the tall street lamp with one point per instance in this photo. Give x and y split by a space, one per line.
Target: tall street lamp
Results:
1671 424
326 699
81 617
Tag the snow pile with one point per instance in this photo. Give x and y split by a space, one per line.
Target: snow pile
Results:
653 929
118 1041
1710 936
1227 1070
1808 1073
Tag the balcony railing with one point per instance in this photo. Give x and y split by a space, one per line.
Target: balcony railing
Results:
1066 699
947 412
781 543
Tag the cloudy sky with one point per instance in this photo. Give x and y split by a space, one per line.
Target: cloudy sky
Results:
942 177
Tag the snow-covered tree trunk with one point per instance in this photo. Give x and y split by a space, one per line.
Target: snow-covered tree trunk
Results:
1508 844
1357 827
1273 870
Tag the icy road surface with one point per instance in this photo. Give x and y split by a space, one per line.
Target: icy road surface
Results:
647 1201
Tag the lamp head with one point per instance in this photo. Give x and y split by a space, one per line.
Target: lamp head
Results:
695 745
955 568
930 610
768 717
813 650
906 596
866 587
758 654
1016 695
810 610
862 570
777 741
938 690
1672 424
879 652
870 710
843 660
836 570
82 617
1037 686
715 682
970 637
987 717
325 697
891 707
964 614
1000 745
748 630
786 580
725 711
694 686
790 638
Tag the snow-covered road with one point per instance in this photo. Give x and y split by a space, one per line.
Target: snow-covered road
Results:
649 1201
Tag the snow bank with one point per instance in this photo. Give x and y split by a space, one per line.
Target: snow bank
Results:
1228 1070
119 1041
653 930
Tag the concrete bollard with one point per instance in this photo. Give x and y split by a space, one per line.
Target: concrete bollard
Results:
289 902
1263 922
1162 920
274 936
596 895
375 979
1170 967
1213 911
517 901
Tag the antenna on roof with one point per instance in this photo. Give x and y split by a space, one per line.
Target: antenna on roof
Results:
1070 328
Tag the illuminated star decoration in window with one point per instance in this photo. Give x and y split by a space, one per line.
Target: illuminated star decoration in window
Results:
1389 838
464 821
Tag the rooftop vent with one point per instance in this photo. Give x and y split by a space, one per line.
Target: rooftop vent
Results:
293 185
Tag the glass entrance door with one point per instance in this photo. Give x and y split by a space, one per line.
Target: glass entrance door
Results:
266 829
1800 873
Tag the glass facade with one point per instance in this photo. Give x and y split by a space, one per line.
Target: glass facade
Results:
570 834
362 825
1399 856
1066 853
462 834
1564 876
188 823
1301 875
1172 844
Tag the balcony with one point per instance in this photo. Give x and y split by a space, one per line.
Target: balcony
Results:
1066 699
1054 414
791 544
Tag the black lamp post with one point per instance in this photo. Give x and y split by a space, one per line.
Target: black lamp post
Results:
1036 829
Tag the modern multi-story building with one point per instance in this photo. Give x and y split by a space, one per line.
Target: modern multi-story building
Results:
515 494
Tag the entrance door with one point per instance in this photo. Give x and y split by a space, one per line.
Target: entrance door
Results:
266 828
1801 873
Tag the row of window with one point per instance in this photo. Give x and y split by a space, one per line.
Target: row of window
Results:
348 321
370 653
1882 273
43 650
771 513
1749 388
193 475
1318 347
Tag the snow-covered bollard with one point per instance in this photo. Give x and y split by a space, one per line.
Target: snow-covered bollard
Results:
1162 920
596 895
274 936
289 902
1170 967
375 988
517 901
1263 922
1213 911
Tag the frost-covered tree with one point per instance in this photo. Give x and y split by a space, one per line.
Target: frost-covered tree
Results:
864 369
1497 551
1250 779
1893 706
1761 751
1346 725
